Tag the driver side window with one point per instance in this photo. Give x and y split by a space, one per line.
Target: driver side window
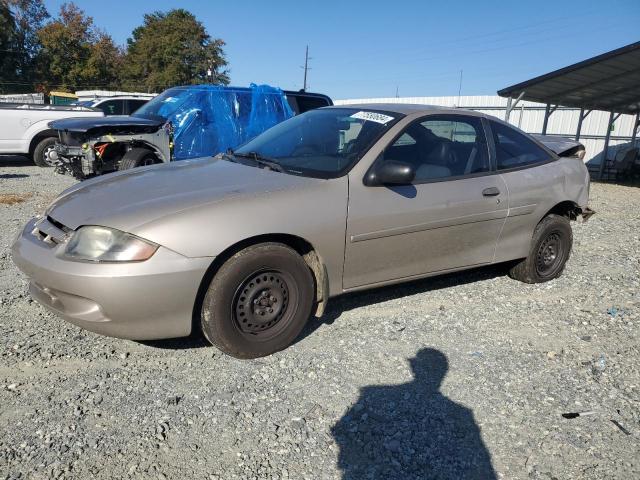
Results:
442 146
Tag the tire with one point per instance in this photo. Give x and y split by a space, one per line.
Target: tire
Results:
137 157
550 249
258 302
39 155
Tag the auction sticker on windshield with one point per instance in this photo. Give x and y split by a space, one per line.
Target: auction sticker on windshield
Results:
373 117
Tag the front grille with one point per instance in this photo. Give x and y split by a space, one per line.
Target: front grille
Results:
51 231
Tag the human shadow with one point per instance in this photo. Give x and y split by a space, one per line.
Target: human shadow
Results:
411 431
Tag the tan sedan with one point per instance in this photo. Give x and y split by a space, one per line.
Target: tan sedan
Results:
248 245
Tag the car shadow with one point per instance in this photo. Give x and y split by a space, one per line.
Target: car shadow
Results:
349 301
15 161
411 430
195 340
13 175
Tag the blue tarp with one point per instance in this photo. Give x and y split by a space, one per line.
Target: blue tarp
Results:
208 119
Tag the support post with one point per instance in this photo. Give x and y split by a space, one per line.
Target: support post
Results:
606 145
580 118
583 115
521 115
547 113
511 105
507 112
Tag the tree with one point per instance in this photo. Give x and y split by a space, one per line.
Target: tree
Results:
172 48
105 61
8 46
19 22
75 53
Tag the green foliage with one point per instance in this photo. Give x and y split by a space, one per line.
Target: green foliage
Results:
8 42
70 53
75 54
19 45
172 48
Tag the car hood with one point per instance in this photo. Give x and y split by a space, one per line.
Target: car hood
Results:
108 123
130 199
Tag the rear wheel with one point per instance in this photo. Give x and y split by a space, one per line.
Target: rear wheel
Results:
41 152
258 302
137 157
550 249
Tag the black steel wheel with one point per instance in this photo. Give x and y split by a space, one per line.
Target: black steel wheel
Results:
550 249
550 254
259 301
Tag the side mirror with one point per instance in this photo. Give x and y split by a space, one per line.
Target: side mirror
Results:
390 172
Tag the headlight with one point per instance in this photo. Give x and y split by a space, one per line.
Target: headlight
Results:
102 244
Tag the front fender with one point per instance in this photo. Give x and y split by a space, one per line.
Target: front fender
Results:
316 213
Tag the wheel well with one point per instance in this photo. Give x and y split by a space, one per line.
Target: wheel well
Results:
300 245
147 146
568 209
41 136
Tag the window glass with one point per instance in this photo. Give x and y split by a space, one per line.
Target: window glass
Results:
321 142
306 103
135 104
442 147
405 139
513 149
112 107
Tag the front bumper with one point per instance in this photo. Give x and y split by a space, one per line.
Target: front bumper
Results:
146 300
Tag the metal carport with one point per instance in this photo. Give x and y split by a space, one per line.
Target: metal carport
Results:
609 82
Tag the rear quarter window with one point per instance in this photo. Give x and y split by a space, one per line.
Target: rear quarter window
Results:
514 150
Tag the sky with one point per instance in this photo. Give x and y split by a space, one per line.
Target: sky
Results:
375 48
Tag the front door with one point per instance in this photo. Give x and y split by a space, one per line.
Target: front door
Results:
450 217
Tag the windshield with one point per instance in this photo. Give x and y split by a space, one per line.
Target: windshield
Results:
323 143
163 105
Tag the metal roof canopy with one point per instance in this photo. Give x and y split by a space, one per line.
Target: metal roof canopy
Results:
608 82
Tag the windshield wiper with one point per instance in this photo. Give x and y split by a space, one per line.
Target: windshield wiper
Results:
260 160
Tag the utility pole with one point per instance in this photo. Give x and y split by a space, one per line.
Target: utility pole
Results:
397 96
306 67
459 88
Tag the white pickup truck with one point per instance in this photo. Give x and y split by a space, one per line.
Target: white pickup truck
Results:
24 128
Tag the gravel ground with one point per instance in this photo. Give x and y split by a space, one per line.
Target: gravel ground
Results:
434 379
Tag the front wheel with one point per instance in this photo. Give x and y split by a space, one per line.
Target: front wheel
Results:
258 302
550 249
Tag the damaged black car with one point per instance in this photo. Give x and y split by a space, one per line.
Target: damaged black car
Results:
180 123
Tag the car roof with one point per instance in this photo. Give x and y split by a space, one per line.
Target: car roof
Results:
408 108
120 97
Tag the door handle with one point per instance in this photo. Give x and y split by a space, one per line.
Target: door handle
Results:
491 192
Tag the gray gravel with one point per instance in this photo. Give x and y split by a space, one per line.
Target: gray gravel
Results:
359 396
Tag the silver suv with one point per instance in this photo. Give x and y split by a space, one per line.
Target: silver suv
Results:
248 245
